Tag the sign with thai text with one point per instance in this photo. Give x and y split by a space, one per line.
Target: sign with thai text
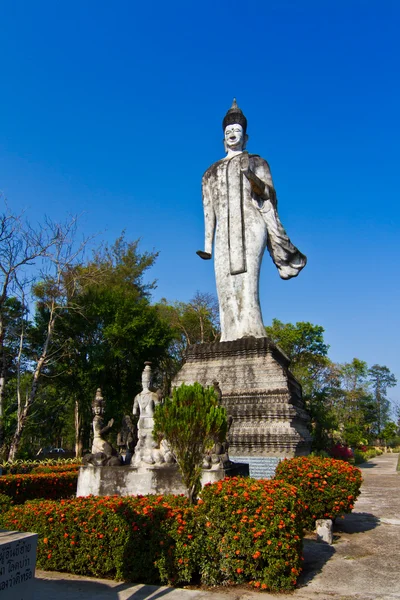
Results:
17 565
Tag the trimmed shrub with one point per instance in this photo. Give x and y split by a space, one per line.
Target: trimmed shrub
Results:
253 533
56 468
5 503
341 452
113 537
328 487
240 531
27 466
39 485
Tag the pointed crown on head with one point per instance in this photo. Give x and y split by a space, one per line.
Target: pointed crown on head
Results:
98 399
235 115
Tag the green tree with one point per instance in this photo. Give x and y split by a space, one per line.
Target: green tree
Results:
191 422
105 343
381 379
304 345
193 322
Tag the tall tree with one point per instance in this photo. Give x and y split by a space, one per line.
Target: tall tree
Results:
193 322
105 343
56 293
304 345
20 246
381 379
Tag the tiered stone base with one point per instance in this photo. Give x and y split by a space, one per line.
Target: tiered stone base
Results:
260 393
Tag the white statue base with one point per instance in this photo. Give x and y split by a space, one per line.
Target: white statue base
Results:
134 481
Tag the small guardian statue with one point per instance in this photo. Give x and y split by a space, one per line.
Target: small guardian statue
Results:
103 454
147 451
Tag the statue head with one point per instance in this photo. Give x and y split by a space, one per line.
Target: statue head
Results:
146 376
235 127
98 403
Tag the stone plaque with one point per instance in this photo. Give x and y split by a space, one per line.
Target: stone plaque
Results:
17 565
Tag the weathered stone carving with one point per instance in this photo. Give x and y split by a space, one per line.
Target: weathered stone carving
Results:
240 208
259 393
127 439
147 451
103 454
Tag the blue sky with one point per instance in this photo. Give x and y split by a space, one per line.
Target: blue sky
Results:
115 110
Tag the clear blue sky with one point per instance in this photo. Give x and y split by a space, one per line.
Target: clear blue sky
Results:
115 109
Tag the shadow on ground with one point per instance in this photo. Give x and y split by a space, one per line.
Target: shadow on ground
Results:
316 555
48 589
356 522
149 591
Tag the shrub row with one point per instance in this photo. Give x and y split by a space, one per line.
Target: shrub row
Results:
327 487
27 466
39 485
56 468
241 530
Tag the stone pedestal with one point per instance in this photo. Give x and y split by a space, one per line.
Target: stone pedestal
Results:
260 393
17 565
132 481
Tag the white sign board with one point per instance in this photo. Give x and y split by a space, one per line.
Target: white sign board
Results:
17 565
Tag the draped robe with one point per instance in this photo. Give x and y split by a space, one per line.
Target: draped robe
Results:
243 225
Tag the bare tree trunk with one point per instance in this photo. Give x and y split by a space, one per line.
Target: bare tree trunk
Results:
78 431
2 379
35 384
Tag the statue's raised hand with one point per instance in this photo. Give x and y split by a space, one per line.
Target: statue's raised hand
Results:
204 255
110 422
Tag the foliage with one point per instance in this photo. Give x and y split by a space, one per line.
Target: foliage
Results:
29 486
191 422
253 533
365 454
26 466
193 322
328 487
5 503
304 345
341 452
347 402
241 530
381 379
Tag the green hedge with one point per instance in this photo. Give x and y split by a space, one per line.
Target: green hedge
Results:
242 530
29 466
327 487
5 503
39 485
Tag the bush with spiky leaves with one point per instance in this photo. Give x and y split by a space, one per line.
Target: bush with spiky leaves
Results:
191 422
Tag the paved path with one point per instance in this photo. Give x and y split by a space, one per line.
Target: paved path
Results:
362 564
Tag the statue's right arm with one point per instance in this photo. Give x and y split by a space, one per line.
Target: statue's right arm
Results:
209 223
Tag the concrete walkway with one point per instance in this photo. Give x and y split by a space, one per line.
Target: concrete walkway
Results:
362 564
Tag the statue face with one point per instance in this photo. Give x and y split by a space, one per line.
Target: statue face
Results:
234 137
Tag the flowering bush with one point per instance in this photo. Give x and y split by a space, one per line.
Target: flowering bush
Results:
121 538
328 487
39 485
56 468
341 452
253 532
5 503
27 466
241 530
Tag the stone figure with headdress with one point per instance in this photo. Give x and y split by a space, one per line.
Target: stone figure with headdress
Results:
240 211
